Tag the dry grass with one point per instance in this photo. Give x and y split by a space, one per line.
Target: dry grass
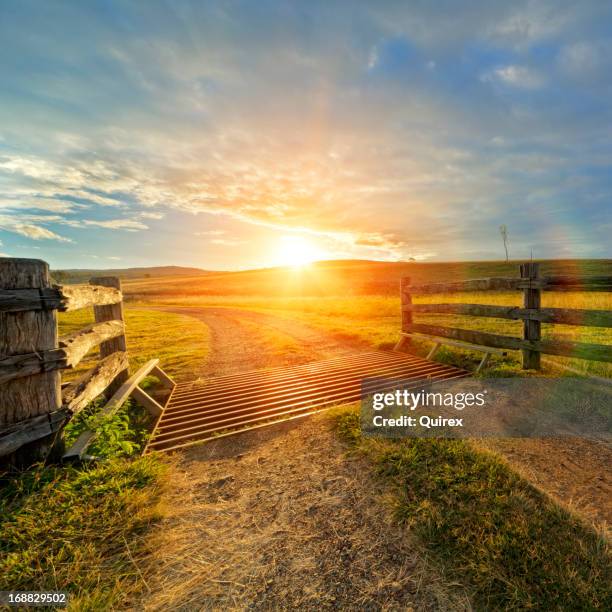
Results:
510 545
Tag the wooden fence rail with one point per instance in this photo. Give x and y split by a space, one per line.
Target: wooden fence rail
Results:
531 314
34 406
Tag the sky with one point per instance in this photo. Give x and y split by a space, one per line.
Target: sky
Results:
214 134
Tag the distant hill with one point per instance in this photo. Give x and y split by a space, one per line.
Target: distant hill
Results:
343 277
83 275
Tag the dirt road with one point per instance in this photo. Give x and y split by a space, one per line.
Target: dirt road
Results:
244 340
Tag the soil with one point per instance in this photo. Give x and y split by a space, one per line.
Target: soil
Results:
282 518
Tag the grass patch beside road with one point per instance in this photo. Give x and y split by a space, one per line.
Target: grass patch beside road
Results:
80 530
486 527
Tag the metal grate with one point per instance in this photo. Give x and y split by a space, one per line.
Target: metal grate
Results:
229 405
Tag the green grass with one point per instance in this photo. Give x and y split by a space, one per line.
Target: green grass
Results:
485 527
180 342
80 530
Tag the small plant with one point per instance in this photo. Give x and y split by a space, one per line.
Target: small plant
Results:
122 434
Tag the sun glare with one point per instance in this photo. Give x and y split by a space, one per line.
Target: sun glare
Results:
297 251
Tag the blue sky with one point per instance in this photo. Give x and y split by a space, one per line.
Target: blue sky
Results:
210 133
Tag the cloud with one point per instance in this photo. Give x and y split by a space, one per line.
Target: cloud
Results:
131 225
29 230
48 204
587 62
307 127
517 76
225 242
210 233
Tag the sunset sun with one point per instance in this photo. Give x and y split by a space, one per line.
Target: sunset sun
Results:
297 251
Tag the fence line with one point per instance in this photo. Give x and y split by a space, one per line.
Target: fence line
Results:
34 405
531 314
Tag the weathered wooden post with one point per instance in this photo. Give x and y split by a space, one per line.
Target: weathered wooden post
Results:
406 303
30 331
531 328
111 312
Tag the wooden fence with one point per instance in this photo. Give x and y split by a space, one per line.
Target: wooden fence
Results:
34 405
532 314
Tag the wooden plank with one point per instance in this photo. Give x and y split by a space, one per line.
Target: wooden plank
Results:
165 380
549 283
567 316
111 312
23 333
578 350
532 329
147 402
475 284
95 381
30 364
78 344
457 343
75 297
13 437
23 300
578 283
114 403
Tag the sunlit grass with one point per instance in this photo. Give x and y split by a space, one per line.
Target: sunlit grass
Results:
180 342
80 530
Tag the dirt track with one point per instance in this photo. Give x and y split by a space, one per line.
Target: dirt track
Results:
244 340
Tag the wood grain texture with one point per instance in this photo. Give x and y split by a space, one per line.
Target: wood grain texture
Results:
532 300
111 312
29 364
579 350
23 333
567 316
95 382
14 437
78 344
75 297
81 444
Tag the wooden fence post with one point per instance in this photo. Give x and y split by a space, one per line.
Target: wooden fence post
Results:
531 328
405 300
109 313
28 332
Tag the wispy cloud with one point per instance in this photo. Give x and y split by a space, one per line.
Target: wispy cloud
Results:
29 230
130 225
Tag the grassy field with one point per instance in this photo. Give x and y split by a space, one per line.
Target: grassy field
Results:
180 342
484 525
342 278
